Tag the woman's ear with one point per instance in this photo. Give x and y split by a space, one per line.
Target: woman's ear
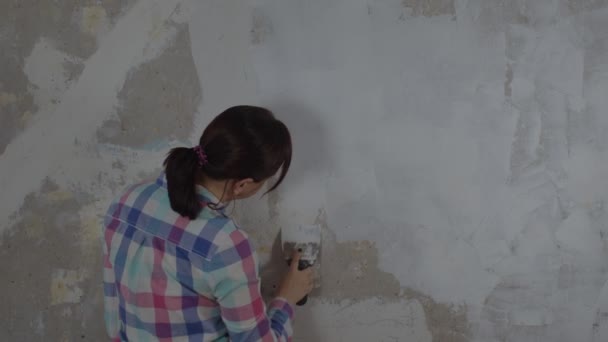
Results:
241 186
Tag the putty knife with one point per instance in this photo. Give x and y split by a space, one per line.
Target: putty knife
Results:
307 238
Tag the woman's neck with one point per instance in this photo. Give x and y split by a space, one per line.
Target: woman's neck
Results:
218 188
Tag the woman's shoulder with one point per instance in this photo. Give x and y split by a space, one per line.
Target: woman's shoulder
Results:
230 235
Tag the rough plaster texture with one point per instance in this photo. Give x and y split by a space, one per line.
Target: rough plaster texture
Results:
454 152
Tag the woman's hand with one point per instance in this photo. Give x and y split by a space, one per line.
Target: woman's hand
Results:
296 283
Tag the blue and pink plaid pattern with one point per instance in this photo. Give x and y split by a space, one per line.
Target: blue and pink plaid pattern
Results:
168 278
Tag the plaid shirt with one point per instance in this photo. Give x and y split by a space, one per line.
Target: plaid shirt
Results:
168 278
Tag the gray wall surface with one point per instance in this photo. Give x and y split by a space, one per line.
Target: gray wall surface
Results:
453 151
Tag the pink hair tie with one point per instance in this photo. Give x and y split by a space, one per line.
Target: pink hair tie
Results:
202 157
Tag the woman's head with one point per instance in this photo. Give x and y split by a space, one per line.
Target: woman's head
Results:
242 147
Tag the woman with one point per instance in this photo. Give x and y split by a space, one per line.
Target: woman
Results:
176 267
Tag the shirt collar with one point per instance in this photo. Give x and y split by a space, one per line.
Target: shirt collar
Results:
204 195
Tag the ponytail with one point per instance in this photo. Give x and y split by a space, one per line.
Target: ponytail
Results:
181 169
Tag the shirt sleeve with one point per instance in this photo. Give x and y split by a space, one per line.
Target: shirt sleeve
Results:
110 295
237 290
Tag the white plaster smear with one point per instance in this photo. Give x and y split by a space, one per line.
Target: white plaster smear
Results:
220 50
44 68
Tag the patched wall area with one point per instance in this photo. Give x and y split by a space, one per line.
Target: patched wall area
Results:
453 152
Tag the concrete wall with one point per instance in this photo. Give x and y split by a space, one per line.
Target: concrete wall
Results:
454 152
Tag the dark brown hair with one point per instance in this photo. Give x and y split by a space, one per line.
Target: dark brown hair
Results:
242 142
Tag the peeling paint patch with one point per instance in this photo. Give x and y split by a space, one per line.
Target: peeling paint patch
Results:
89 233
158 100
65 286
16 103
93 19
58 195
7 99
430 8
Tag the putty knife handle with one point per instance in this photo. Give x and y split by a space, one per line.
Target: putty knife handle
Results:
302 301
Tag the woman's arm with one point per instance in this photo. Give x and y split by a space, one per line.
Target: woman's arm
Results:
237 290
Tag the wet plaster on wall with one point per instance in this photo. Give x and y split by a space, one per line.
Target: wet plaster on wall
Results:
71 27
51 291
556 121
528 256
158 99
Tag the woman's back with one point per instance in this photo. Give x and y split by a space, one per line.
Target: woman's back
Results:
171 278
